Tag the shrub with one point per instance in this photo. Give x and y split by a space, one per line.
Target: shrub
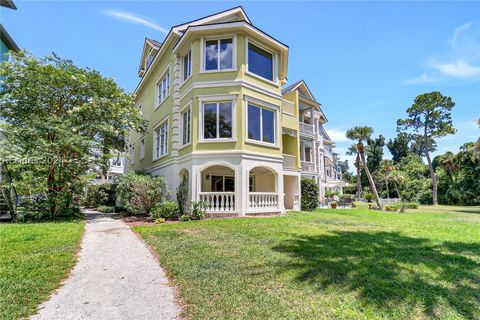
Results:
401 206
368 196
309 194
185 217
159 221
100 195
166 210
106 209
140 193
331 193
182 198
198 209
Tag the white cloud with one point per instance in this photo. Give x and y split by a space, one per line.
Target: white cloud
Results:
134 18
460 60
459 69
337 135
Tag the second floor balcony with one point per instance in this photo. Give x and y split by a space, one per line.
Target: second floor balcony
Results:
307 129
308 167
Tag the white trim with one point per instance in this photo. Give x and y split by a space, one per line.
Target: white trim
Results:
160 124
214 17
218 39
216 99
231 83
157 93
265 105
274 81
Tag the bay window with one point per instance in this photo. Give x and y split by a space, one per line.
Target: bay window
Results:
218 54
260 62
261 124
217 120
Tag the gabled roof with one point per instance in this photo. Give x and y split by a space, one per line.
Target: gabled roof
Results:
229 15
147 45
8 4
302 87
11 45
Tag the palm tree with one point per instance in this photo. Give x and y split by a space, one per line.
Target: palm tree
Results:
361 134
350 152
397 178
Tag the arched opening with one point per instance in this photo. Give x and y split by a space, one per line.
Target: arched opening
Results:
217 185
262 189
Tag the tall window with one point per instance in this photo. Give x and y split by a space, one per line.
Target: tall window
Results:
142 148
161 140
133 154
261 124
260 62
149 60
186 126
163 88
217 120
187 65
218 54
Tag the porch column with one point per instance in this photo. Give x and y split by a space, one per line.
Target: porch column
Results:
241 188
280 191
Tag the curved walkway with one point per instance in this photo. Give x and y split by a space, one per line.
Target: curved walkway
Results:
116 277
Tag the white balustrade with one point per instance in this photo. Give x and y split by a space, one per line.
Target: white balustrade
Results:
219 201
263 201
289 161
308 166
307 128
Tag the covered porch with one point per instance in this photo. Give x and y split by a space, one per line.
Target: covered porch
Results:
229 189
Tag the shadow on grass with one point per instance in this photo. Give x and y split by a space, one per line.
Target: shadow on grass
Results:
388 270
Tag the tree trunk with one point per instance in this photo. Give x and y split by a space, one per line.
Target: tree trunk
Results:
432 171
359 173
396 190
369 177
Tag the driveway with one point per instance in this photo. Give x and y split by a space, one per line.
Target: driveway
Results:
116 277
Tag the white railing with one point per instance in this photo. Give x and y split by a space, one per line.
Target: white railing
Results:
263 201
390 200
308 166
306 128
296 202
289 161
219 201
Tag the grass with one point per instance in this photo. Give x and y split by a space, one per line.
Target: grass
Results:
329 264
34 259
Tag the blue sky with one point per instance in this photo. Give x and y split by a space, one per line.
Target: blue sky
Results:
365 62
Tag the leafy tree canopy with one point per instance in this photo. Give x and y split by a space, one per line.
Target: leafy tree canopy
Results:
66 118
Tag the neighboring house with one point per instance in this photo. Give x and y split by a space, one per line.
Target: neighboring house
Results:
7 191
218 119
7 43
115 170
318 161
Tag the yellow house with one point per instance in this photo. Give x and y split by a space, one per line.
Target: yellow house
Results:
218 120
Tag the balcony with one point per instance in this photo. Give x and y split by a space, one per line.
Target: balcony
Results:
289 162
308 167
307 129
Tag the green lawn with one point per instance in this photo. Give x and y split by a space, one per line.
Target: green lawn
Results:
34 259
330 264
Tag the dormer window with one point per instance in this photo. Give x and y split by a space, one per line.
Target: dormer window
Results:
218 54
260 62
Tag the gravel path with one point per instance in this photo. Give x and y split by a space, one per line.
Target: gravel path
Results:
116 277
